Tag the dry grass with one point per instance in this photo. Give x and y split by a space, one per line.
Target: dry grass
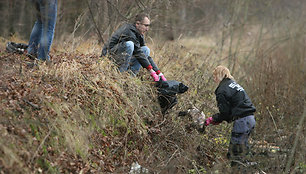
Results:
81 115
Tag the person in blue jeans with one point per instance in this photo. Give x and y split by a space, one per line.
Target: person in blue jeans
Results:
234 106
128 50
43 30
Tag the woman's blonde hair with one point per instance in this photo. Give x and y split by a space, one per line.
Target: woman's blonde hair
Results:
222 72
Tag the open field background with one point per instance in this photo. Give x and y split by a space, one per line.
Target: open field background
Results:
80 115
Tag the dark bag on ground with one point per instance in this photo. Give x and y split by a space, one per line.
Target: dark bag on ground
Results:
167 91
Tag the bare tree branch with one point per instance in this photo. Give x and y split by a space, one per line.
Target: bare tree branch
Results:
95 24
120 14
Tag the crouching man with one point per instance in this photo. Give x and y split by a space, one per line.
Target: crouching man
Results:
128 50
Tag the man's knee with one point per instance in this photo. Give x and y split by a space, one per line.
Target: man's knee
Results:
129 45
145 50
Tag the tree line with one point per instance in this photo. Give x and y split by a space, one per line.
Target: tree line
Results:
170 18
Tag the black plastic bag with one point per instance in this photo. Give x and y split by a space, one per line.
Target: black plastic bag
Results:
167 91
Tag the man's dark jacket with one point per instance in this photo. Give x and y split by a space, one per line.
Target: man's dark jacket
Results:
233 102
128 32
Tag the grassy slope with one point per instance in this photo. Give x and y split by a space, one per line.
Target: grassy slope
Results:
80 115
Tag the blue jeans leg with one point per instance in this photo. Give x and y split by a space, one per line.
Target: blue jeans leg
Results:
43 31
126 53
134 64
35 38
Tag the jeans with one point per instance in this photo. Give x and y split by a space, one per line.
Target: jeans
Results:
125 59
43 30
241 131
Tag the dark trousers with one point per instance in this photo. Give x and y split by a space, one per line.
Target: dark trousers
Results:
239 146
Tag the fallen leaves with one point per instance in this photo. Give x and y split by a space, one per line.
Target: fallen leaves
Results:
33 98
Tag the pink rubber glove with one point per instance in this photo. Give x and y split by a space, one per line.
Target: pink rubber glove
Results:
155 76
161 75
208 121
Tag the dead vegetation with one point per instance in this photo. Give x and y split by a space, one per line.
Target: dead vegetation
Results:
80 115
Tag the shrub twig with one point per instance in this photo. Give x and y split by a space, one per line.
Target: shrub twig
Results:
41 144
274 123
299 130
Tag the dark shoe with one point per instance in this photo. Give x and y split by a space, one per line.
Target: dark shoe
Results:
18 48
31 56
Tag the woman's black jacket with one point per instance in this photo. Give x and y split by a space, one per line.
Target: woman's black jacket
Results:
233 102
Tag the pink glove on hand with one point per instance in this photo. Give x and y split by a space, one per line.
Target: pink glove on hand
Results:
155 76
161 75
209 121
